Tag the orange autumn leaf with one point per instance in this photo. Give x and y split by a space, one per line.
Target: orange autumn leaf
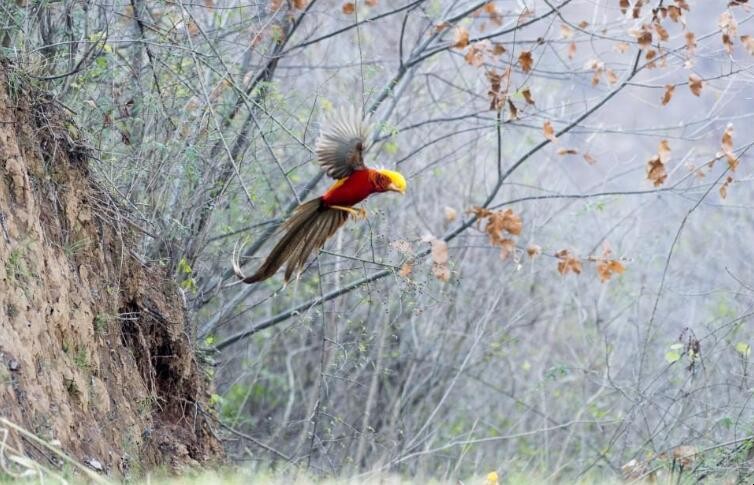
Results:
637 9
567 151
612 78
441 272
439 27
406 269
450 214
668 94
348 8
748 43
644 37
549 132
498 49
439 254
507 246
566 32
724 187
526 92
461 39
475 53
674 13
656 171
439 251
572 50
621 47
300 4
526 61
533 250
690 43
606 268
512 109
491 10
371 3
695 84
663 151
567 262
662 32
727 145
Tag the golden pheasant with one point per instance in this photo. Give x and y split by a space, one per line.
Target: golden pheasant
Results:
340 148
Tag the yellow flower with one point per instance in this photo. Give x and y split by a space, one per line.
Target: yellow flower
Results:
491 479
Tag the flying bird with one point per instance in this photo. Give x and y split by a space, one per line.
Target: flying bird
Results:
340 148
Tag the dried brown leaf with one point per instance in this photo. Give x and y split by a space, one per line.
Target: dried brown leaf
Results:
589 159
674 13
571 50
567 151
656 171
690 43
606 268
566 31
637 9
439 251
461 39
441 272
728 44
668 94
491 10
512 109
663 151
348 8
549 132
526 92
475 53
727 145
507 246
533 250
450 214
724 187
748 42
621 47
406 269
567 262
662 32
526 61
695 84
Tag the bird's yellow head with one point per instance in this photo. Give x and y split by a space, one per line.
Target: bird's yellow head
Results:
397 181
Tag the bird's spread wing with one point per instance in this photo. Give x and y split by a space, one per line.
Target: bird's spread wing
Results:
342 141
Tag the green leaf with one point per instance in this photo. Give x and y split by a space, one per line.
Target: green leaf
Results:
391 148
676 346
183 266
743 348
672 356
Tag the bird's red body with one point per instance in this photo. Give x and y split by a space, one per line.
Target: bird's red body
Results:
340 153
353 189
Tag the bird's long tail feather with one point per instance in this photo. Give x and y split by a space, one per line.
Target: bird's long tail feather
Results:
310 225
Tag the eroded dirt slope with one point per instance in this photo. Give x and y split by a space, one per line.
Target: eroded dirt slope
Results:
94 352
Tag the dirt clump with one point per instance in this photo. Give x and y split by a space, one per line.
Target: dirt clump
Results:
95 351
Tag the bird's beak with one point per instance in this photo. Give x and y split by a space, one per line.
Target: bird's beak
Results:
395 188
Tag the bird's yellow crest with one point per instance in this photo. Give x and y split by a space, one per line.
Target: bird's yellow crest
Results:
397 181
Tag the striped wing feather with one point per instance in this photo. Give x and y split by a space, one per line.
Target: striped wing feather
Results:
342 142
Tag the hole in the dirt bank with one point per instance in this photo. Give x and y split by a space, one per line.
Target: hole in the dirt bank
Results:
151 349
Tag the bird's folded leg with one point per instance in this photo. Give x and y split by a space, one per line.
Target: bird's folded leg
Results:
358 213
